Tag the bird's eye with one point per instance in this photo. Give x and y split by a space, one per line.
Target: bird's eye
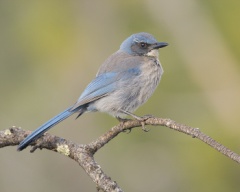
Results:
143 45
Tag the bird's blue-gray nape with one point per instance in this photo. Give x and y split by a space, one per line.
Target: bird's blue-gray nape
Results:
125 81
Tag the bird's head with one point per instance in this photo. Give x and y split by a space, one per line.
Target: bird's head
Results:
142 44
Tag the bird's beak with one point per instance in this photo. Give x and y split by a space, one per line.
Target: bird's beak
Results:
159 45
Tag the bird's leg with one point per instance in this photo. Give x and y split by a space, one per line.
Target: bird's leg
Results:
141 119
121 120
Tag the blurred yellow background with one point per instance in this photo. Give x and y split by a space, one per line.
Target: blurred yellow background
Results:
49 52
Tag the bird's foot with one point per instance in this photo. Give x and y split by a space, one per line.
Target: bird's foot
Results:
35 147
142 120
121 120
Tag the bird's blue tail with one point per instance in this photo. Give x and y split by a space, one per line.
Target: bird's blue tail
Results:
46 126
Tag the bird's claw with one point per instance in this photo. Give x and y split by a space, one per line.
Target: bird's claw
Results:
143 127
143 119
121 120
127 130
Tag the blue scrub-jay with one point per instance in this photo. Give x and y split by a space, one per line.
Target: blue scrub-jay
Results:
124 81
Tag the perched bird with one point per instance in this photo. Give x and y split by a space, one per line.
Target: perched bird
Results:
124 82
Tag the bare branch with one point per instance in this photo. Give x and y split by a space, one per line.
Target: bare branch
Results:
83 153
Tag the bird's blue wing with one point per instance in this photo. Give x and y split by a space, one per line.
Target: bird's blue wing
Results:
105 84
101 86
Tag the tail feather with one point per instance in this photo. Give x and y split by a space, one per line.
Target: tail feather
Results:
46 126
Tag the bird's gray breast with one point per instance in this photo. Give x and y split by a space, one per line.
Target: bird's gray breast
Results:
137 91
151 72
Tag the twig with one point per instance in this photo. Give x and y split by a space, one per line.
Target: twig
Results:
83 153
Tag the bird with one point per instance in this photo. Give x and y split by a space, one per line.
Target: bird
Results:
125 81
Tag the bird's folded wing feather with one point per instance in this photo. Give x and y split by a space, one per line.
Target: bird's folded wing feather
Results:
99 87
103 85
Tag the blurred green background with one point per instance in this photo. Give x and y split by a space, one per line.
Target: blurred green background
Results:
50 50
